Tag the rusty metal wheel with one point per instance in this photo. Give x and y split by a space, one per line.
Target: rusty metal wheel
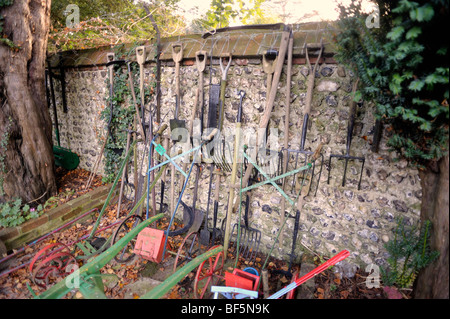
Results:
188 250
126 254
208 274
51 262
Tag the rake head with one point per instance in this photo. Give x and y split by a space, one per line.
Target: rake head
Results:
249 241
249 238
347 158
297 158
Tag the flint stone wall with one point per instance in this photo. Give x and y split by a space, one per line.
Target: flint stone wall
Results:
338 217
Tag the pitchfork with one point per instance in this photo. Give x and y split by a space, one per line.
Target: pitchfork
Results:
347 157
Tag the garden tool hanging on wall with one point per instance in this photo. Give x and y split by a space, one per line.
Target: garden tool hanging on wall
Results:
63 157
176 123
177 56
269 61
237 142
264 121
286 126
219 150
214 97
205 233
249 237
346 157
140 57
293 155
200 62
216 112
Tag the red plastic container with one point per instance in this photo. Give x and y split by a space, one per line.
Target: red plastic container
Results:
241 279
150 244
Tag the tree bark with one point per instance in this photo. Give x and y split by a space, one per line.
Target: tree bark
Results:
25 123
433 281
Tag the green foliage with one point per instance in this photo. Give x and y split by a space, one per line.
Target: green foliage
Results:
123 112
222 12
3 39
14 213
109 22
409 252
404 70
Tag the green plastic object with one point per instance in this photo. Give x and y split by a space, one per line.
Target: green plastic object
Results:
65 158
164 287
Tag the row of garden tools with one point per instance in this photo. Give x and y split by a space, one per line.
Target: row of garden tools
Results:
292 173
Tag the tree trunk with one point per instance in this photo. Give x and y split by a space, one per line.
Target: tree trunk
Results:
432 282
26 156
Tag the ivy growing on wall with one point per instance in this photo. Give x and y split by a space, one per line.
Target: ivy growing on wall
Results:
119 112
403 67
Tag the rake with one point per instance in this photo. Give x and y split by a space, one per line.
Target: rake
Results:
249 237
347 157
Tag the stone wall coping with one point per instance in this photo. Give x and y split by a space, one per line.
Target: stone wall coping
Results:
241 42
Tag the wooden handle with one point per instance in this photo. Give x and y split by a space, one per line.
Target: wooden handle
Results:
140 54
211 135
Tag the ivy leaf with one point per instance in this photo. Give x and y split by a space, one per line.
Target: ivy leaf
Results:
425 126
416 85
395 33
435 78
423 13
413 33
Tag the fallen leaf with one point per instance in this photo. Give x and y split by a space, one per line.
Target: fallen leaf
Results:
344 294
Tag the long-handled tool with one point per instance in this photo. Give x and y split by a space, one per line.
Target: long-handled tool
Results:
269 61
204 140
233 173
175 123
122 182
270 102
214 98
346 157
162 206
332 261
198 213
200 62
140 58
309 96
218 155
286 126
142 182
249 237
177 56
205 232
